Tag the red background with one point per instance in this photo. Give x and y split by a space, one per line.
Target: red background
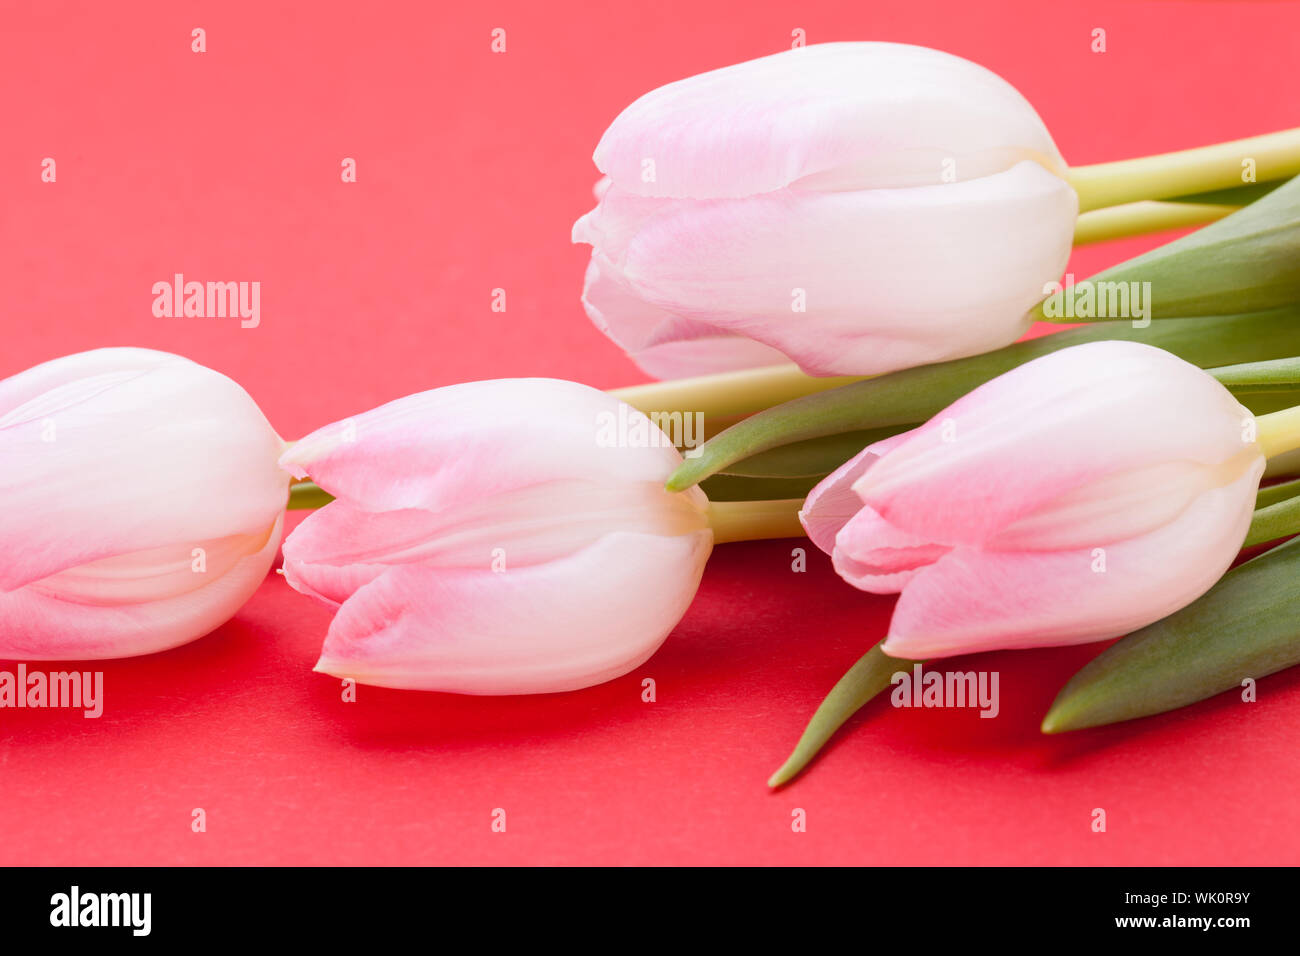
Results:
472 167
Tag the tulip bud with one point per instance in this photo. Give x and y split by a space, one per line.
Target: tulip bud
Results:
854 207
499 537
1075 498
140 504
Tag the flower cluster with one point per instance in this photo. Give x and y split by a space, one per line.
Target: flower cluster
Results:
856 209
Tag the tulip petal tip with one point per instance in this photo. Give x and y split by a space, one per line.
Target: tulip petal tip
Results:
890 647
291 465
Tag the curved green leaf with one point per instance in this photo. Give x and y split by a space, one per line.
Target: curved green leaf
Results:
873 672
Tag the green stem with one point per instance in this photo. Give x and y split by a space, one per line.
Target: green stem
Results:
755 520
1140 218
1204 169
729 393
1278 432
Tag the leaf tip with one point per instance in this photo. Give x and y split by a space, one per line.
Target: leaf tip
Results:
1061 717
787 772
681 479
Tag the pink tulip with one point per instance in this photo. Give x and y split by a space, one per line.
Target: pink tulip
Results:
500 537
854 207
140 504
1078 497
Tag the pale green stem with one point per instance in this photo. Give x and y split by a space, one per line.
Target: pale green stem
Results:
754 520
729 393
1140 218
1189 171
1278 432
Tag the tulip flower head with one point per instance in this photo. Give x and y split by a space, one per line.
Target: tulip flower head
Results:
140 504
1078 497
854 207
485 539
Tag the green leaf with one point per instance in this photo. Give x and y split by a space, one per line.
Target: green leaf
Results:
1277 514
1238 196
1272 522
1275 375
1275 493
1245 626
917 394
817 456
1245 262
873 672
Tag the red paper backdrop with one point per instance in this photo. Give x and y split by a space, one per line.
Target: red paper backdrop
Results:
471 168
